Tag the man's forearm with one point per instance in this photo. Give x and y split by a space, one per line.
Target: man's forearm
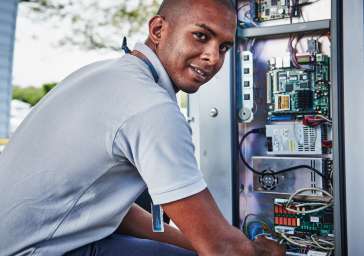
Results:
200 220
138 223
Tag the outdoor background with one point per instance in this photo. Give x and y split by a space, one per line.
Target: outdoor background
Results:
57 37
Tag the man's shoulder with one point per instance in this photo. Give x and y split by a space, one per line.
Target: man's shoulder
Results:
127 67
124 73
123 67
125 81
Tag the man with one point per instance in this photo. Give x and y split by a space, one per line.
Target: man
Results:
73 169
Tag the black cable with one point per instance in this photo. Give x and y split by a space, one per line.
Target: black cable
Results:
257 130
271 172
303 166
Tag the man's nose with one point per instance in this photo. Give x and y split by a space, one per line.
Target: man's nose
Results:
211 54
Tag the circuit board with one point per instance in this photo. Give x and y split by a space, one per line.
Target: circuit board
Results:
319 223
303 91
266 10
321 85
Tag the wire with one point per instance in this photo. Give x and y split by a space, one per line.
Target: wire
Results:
323 206
256 131
310 204
325 118
316 242
303 243
246 16
293 50
243 5
316 120
296 167
309 211
262 220
266 171
311 2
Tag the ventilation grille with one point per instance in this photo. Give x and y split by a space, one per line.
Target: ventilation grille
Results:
309 140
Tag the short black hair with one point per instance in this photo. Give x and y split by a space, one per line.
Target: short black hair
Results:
168 5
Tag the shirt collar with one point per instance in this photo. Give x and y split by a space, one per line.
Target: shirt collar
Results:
164 80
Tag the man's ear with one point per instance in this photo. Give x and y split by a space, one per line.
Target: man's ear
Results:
156 25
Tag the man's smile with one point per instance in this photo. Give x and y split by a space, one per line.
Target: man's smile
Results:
200 74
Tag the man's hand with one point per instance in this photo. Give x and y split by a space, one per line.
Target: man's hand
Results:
266 247
202 223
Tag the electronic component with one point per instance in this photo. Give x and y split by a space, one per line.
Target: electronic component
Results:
289 182
291 223
293 138
247 87
292 91
305 221
266 10
313 46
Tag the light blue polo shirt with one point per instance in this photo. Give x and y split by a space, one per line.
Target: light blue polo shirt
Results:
87 151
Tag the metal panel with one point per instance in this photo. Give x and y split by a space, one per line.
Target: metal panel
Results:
6 28
215 138
8 6
8 13
338 131
4 54
193 108
284 29
5 63
353 49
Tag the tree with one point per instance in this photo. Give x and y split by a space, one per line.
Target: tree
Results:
93 24
32 95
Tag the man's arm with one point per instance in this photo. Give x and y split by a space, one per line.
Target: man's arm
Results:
201 221
138 223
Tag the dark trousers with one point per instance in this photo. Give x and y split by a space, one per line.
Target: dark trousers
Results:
122 245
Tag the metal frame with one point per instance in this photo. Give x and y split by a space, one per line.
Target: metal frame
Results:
234 137
352 136
338 130
8 10
216 128
284 29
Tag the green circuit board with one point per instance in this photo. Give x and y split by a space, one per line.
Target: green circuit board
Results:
319 223
266 10
300 91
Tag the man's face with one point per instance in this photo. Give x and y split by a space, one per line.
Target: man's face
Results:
192 48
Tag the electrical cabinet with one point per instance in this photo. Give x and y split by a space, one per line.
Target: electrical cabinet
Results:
274 141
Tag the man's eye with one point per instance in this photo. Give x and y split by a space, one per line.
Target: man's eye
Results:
200 36
224 48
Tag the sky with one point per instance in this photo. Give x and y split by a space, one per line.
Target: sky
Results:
37 59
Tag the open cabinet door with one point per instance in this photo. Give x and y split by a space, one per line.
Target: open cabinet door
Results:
352 131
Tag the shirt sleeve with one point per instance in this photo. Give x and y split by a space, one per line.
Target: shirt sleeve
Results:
158 143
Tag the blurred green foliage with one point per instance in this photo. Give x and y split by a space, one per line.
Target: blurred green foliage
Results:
32 94
93 24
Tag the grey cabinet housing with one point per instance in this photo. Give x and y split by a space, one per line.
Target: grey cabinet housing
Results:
8 13
217 136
